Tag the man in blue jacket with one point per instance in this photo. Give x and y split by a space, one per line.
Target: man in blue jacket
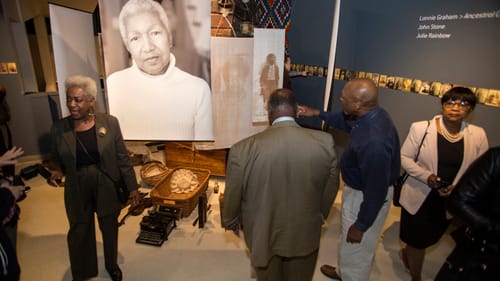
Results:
369 166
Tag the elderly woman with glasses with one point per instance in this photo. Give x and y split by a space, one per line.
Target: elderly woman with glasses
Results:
445 145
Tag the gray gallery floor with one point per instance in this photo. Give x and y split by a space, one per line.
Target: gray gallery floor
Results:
190 253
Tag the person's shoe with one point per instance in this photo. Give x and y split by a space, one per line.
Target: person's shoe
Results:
330 271
116 274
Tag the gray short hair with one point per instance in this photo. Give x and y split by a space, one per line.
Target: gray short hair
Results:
86 83
133 7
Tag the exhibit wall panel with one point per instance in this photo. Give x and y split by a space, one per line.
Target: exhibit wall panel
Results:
25 132
232 66
450 41
445 42
268 62
439 43
74 50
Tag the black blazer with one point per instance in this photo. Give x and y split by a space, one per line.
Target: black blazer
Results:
114 160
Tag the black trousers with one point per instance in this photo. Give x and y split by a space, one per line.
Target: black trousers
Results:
82 246
82 235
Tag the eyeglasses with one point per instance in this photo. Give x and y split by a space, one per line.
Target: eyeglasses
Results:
461 104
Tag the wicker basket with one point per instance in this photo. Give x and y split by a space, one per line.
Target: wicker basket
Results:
153 171
161 193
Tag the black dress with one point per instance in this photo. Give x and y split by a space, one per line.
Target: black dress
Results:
425 228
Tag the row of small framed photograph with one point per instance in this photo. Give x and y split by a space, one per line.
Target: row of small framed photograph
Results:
485 96
8 68
312 70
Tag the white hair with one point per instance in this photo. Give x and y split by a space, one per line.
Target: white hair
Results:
86 83
133 7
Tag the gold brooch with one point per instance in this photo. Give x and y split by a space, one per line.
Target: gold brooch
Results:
102 131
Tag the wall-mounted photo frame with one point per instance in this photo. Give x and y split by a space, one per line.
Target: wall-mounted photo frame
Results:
12 67
3 68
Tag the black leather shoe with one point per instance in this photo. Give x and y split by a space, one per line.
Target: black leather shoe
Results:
116 274
330 271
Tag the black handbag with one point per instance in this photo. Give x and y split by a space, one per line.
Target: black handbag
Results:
398 184
121 190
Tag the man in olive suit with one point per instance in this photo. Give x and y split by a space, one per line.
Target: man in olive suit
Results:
280 186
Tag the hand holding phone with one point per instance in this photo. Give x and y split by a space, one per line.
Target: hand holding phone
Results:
444 188
442 184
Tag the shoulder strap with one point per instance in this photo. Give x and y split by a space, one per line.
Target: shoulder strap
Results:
423 138
90 156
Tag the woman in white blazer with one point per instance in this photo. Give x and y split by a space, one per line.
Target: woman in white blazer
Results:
449 146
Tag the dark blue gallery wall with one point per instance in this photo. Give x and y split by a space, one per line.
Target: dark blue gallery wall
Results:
380 37
309 43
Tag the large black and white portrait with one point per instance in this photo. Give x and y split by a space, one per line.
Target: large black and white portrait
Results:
157 65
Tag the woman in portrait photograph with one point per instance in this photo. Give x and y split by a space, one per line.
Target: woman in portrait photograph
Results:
153 98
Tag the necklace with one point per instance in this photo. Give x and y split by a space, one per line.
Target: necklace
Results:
449 136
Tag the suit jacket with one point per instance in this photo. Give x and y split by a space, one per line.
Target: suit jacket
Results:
280 184
415 189
114 160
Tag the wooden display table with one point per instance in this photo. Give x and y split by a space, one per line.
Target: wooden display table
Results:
184 154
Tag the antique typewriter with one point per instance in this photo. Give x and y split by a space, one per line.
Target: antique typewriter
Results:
157 225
